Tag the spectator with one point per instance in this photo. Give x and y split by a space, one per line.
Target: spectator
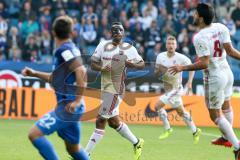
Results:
146 20
152 54
135 19
123 17
152 36
3 44
230 24
3 25
29 27
88 32
14 40
14 9
15 54
45 41
44 5
27 13
103 5
151 9
236 15
31 50
137 34
105 25
45 20
90 15
133 9
3 11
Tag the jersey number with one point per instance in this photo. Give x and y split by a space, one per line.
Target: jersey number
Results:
47 121
217 49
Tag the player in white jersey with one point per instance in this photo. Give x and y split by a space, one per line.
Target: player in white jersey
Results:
173 88
112 58
212 43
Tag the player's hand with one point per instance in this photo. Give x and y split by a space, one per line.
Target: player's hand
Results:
28 72
128 63
189 88
72 106
106 69
175 69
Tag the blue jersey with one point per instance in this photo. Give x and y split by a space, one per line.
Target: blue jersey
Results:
65 53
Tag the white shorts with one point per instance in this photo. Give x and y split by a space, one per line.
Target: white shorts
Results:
218 88
110 105
173 98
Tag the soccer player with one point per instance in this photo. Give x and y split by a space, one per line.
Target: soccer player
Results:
112 58
212 43
65 118
173 88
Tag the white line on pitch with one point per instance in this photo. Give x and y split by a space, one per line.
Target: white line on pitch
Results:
210 134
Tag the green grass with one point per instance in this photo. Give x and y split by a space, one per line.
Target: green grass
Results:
14 144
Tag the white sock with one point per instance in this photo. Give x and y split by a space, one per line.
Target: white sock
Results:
228 115
124 131
227 131
94 140
163 115
188 120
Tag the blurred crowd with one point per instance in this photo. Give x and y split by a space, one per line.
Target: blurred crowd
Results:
25 25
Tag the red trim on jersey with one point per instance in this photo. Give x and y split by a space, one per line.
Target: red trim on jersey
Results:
122 81
115 97
206 87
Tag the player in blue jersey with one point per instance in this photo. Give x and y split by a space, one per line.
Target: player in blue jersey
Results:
64 119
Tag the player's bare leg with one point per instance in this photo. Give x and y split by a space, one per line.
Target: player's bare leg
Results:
163 116
76 151
97 134
125 132
228 113
188 120
44 147
224 126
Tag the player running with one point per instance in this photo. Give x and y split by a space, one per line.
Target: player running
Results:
173 88
65 118
212 43
112 58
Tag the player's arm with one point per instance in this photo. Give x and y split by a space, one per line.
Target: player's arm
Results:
203 52
96 59
96 66
159 69
134 60
202 63
231 51
138 65
77 67
33 73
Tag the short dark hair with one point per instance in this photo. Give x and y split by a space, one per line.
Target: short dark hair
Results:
206 12
63 27
116 23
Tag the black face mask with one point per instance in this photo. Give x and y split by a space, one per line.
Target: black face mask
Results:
117 30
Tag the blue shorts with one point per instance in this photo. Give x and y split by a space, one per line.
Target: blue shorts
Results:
69 131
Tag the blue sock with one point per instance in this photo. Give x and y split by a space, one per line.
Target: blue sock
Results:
81 155
45 148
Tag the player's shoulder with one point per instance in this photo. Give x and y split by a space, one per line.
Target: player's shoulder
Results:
162 55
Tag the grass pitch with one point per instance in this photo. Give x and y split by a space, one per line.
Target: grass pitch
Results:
14 144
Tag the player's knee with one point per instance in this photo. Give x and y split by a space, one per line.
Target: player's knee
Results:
180 112
34 133
113 124
100 123
72 149
31 135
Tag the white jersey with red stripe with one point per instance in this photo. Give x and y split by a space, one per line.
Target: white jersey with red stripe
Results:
175 81
115 56
218 77
209 42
